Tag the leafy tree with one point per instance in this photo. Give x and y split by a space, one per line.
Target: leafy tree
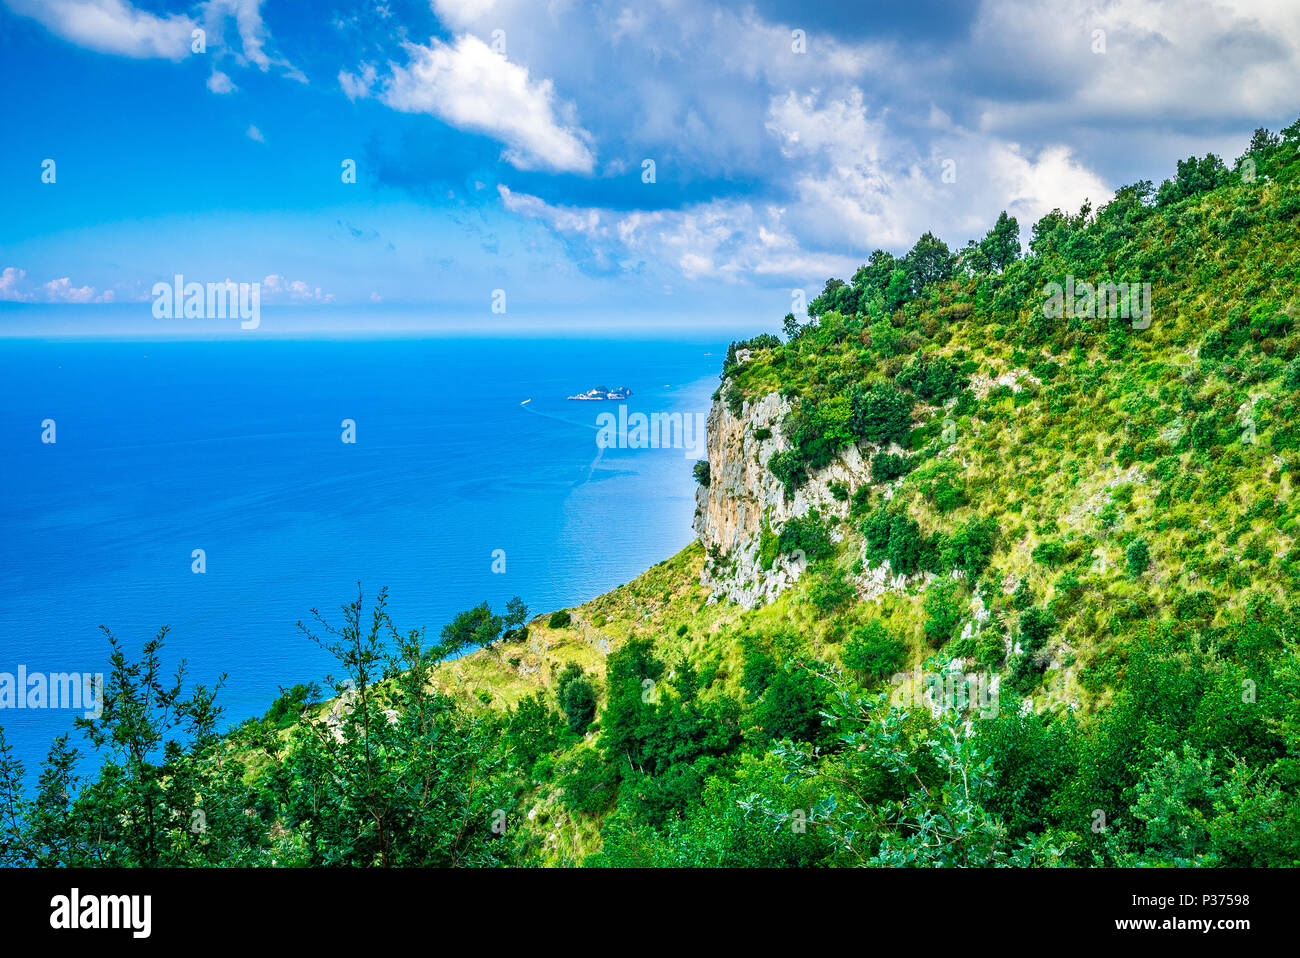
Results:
881 414
1002 244
790 706
929 262
471 629
872 651
943 610
577 697
886 466
931 377
1138 557
400 776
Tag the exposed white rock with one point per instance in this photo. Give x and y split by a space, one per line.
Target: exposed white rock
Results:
729 511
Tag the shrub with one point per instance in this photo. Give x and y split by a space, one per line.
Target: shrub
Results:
559 620
831 591
970 547
807 533
577 697
895 537
1036 627
881 414
886 466
938 482
872 651
943 610
768 545
1138 557
1291 378
1050 553
788 467
930 377
791 706
701 472
587 783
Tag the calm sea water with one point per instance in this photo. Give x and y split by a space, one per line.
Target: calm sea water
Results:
234 447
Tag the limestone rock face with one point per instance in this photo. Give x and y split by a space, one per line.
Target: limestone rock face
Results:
729 511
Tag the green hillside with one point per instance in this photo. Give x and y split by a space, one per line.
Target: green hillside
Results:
1092 660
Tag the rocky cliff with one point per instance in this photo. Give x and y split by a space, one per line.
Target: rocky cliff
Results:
729 512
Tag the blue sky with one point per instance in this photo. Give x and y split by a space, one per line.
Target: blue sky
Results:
500 144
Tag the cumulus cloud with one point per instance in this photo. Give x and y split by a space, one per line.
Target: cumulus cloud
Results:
62 291
357 86
112 26
218 82
15 289
471 87
852 187
276 288
857 186
728 240
9 289
254 134
120 28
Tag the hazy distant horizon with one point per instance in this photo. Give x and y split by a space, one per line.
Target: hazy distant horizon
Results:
135 321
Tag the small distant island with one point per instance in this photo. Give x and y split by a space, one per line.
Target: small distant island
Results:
597 393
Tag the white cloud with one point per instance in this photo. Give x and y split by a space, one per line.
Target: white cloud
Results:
1163 63
119 27
728 240
13 289
358 86
254 134
469 86
112 26
9 280
220 83
253 35
852 188
62 291
276 287
856 187
460 13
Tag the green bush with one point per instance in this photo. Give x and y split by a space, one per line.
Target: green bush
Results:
831 591
559 620
807 533
873 651
577 697
897 538
943 609
970 547
1138 557
881 414
933 378
887 465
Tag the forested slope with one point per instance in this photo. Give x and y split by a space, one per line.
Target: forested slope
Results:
1016 535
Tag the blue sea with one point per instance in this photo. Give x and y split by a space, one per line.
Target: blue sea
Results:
234 447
